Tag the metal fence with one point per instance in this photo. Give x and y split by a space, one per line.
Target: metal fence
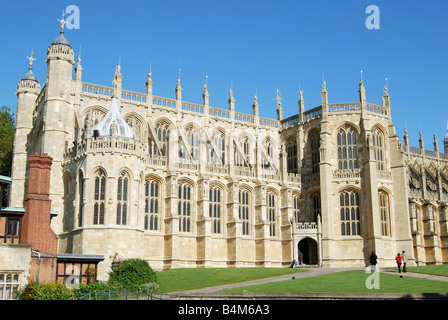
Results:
118 295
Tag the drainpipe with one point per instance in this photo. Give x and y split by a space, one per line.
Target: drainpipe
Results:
38 264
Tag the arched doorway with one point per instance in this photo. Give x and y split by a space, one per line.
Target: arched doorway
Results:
308 248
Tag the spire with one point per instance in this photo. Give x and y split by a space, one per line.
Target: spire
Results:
61 39
279 106
30 75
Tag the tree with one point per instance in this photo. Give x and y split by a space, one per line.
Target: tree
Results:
7 128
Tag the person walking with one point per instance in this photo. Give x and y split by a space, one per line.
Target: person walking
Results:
372 260
398 260
404 259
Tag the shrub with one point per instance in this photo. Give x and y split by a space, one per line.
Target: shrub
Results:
45 291
93 288
133 274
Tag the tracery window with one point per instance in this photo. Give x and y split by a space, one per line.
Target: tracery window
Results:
217 149
189 149
314 139
152 203
81 198
122 198
296 207
162 132
271 202
99 202
184 207
316 207
383 199
291 151
243 210
378 145
267 158
350 216
242 153
347 150
215 208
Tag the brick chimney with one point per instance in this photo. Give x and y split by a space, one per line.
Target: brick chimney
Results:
36 228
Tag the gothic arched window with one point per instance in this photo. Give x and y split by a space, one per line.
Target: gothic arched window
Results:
217 148
152 205
271 203
216 208
243 210
291 151
378 144
162 132
383 199
99 198
350 216
347 150
185 206
122 198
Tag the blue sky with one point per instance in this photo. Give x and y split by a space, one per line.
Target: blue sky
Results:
255 46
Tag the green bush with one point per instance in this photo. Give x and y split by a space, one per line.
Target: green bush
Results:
133 274
45 291
92 288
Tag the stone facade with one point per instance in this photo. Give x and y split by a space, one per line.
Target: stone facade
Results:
206 187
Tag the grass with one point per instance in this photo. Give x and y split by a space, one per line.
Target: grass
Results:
190 278
439 270
350 282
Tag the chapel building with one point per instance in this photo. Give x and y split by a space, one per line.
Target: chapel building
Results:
180 184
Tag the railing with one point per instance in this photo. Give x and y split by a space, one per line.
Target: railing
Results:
347 174
242 117
269 122
105 144
217 168
305 227
219 113
313 113
290 121
159 161
377 109
192 107
163 102
244 171
133 96
94 89
344 107
270 175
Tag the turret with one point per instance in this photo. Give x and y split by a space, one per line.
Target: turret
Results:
58 121
28 90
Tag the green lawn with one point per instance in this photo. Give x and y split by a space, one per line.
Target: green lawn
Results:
350 282
440 270
189 278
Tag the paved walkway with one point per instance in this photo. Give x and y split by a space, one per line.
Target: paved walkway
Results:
312 272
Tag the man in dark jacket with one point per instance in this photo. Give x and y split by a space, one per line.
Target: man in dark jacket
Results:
372 260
